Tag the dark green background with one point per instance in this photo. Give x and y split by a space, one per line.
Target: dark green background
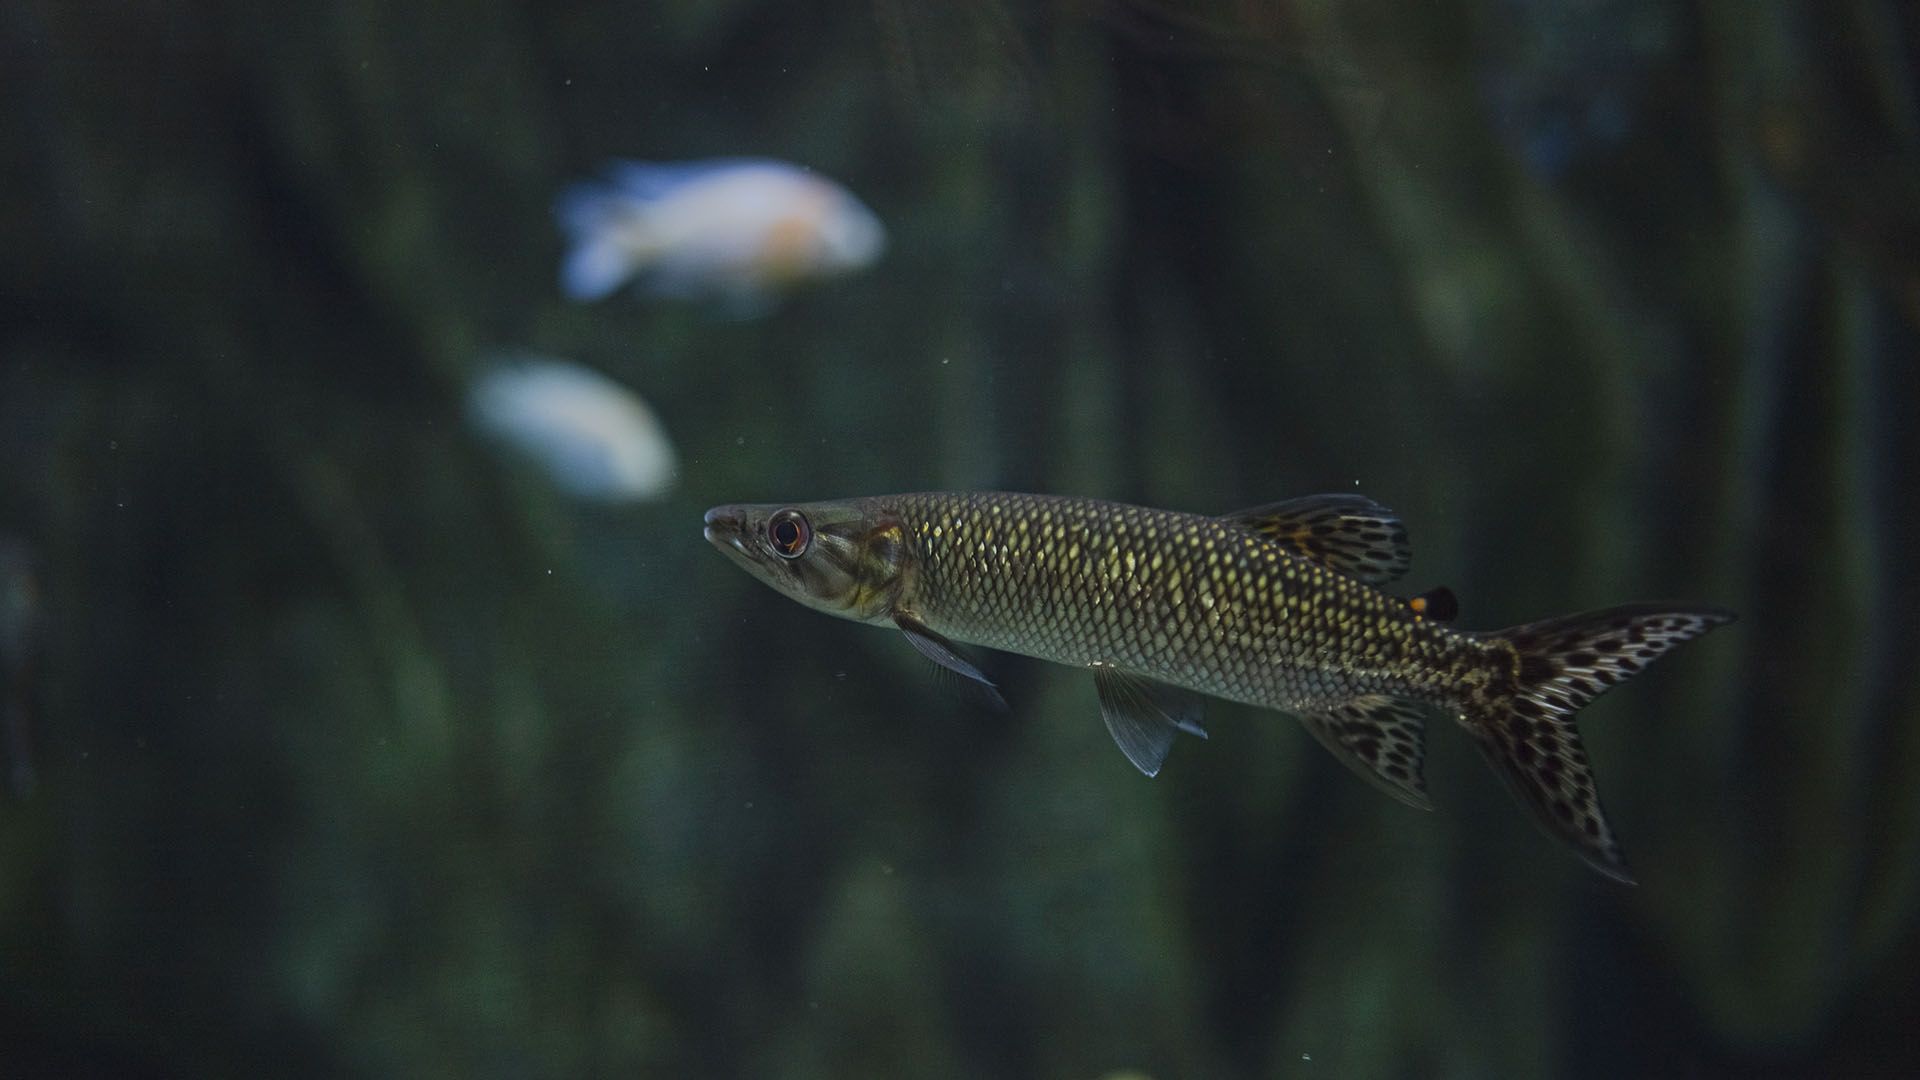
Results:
361 752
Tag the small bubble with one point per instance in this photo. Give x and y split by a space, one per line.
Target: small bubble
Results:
739 440
113 444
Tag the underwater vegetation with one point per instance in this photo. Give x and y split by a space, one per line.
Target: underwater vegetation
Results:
19 645
1567 83
358 745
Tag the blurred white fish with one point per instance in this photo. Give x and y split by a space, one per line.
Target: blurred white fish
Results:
734 229
594 438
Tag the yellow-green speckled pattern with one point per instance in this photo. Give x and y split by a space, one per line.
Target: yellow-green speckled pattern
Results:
1190 600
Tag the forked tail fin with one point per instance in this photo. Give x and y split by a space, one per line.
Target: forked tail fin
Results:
1525 722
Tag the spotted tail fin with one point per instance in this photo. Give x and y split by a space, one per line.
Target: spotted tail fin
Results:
1526 729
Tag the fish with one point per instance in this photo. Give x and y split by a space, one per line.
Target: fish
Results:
593 438
1281 607
740 230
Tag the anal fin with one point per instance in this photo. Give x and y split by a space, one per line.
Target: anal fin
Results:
1143 717
1381 738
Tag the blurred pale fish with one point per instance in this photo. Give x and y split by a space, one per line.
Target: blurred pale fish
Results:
594 438
735 229
19 648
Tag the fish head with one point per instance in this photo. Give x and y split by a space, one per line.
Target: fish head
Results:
851 236
844 558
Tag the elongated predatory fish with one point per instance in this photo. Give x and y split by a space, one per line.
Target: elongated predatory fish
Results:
1277 607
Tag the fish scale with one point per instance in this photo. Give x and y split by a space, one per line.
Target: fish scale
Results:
1186 599
1277 607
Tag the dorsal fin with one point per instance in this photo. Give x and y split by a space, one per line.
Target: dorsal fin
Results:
1348 533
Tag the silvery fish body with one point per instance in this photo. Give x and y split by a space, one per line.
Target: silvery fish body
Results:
1277 607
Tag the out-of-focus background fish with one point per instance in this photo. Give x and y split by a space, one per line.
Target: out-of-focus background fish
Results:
736 230
590 436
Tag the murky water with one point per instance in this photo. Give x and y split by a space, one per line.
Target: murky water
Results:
370 703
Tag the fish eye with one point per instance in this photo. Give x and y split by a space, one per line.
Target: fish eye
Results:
789 533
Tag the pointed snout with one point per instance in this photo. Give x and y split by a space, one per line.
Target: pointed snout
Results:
722 526
736 531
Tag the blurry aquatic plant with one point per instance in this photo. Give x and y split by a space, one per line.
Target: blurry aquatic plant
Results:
19 644
591 437
934 54
1842 141
1564 81
1727 370
735 230
461 819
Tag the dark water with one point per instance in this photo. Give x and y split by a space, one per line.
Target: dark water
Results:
338 743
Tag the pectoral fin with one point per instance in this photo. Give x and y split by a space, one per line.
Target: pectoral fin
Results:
1348 533
1381 738
972 682
1143 716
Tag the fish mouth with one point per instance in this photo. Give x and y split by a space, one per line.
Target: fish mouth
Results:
724 527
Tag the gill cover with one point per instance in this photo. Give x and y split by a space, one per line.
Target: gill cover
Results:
844 558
